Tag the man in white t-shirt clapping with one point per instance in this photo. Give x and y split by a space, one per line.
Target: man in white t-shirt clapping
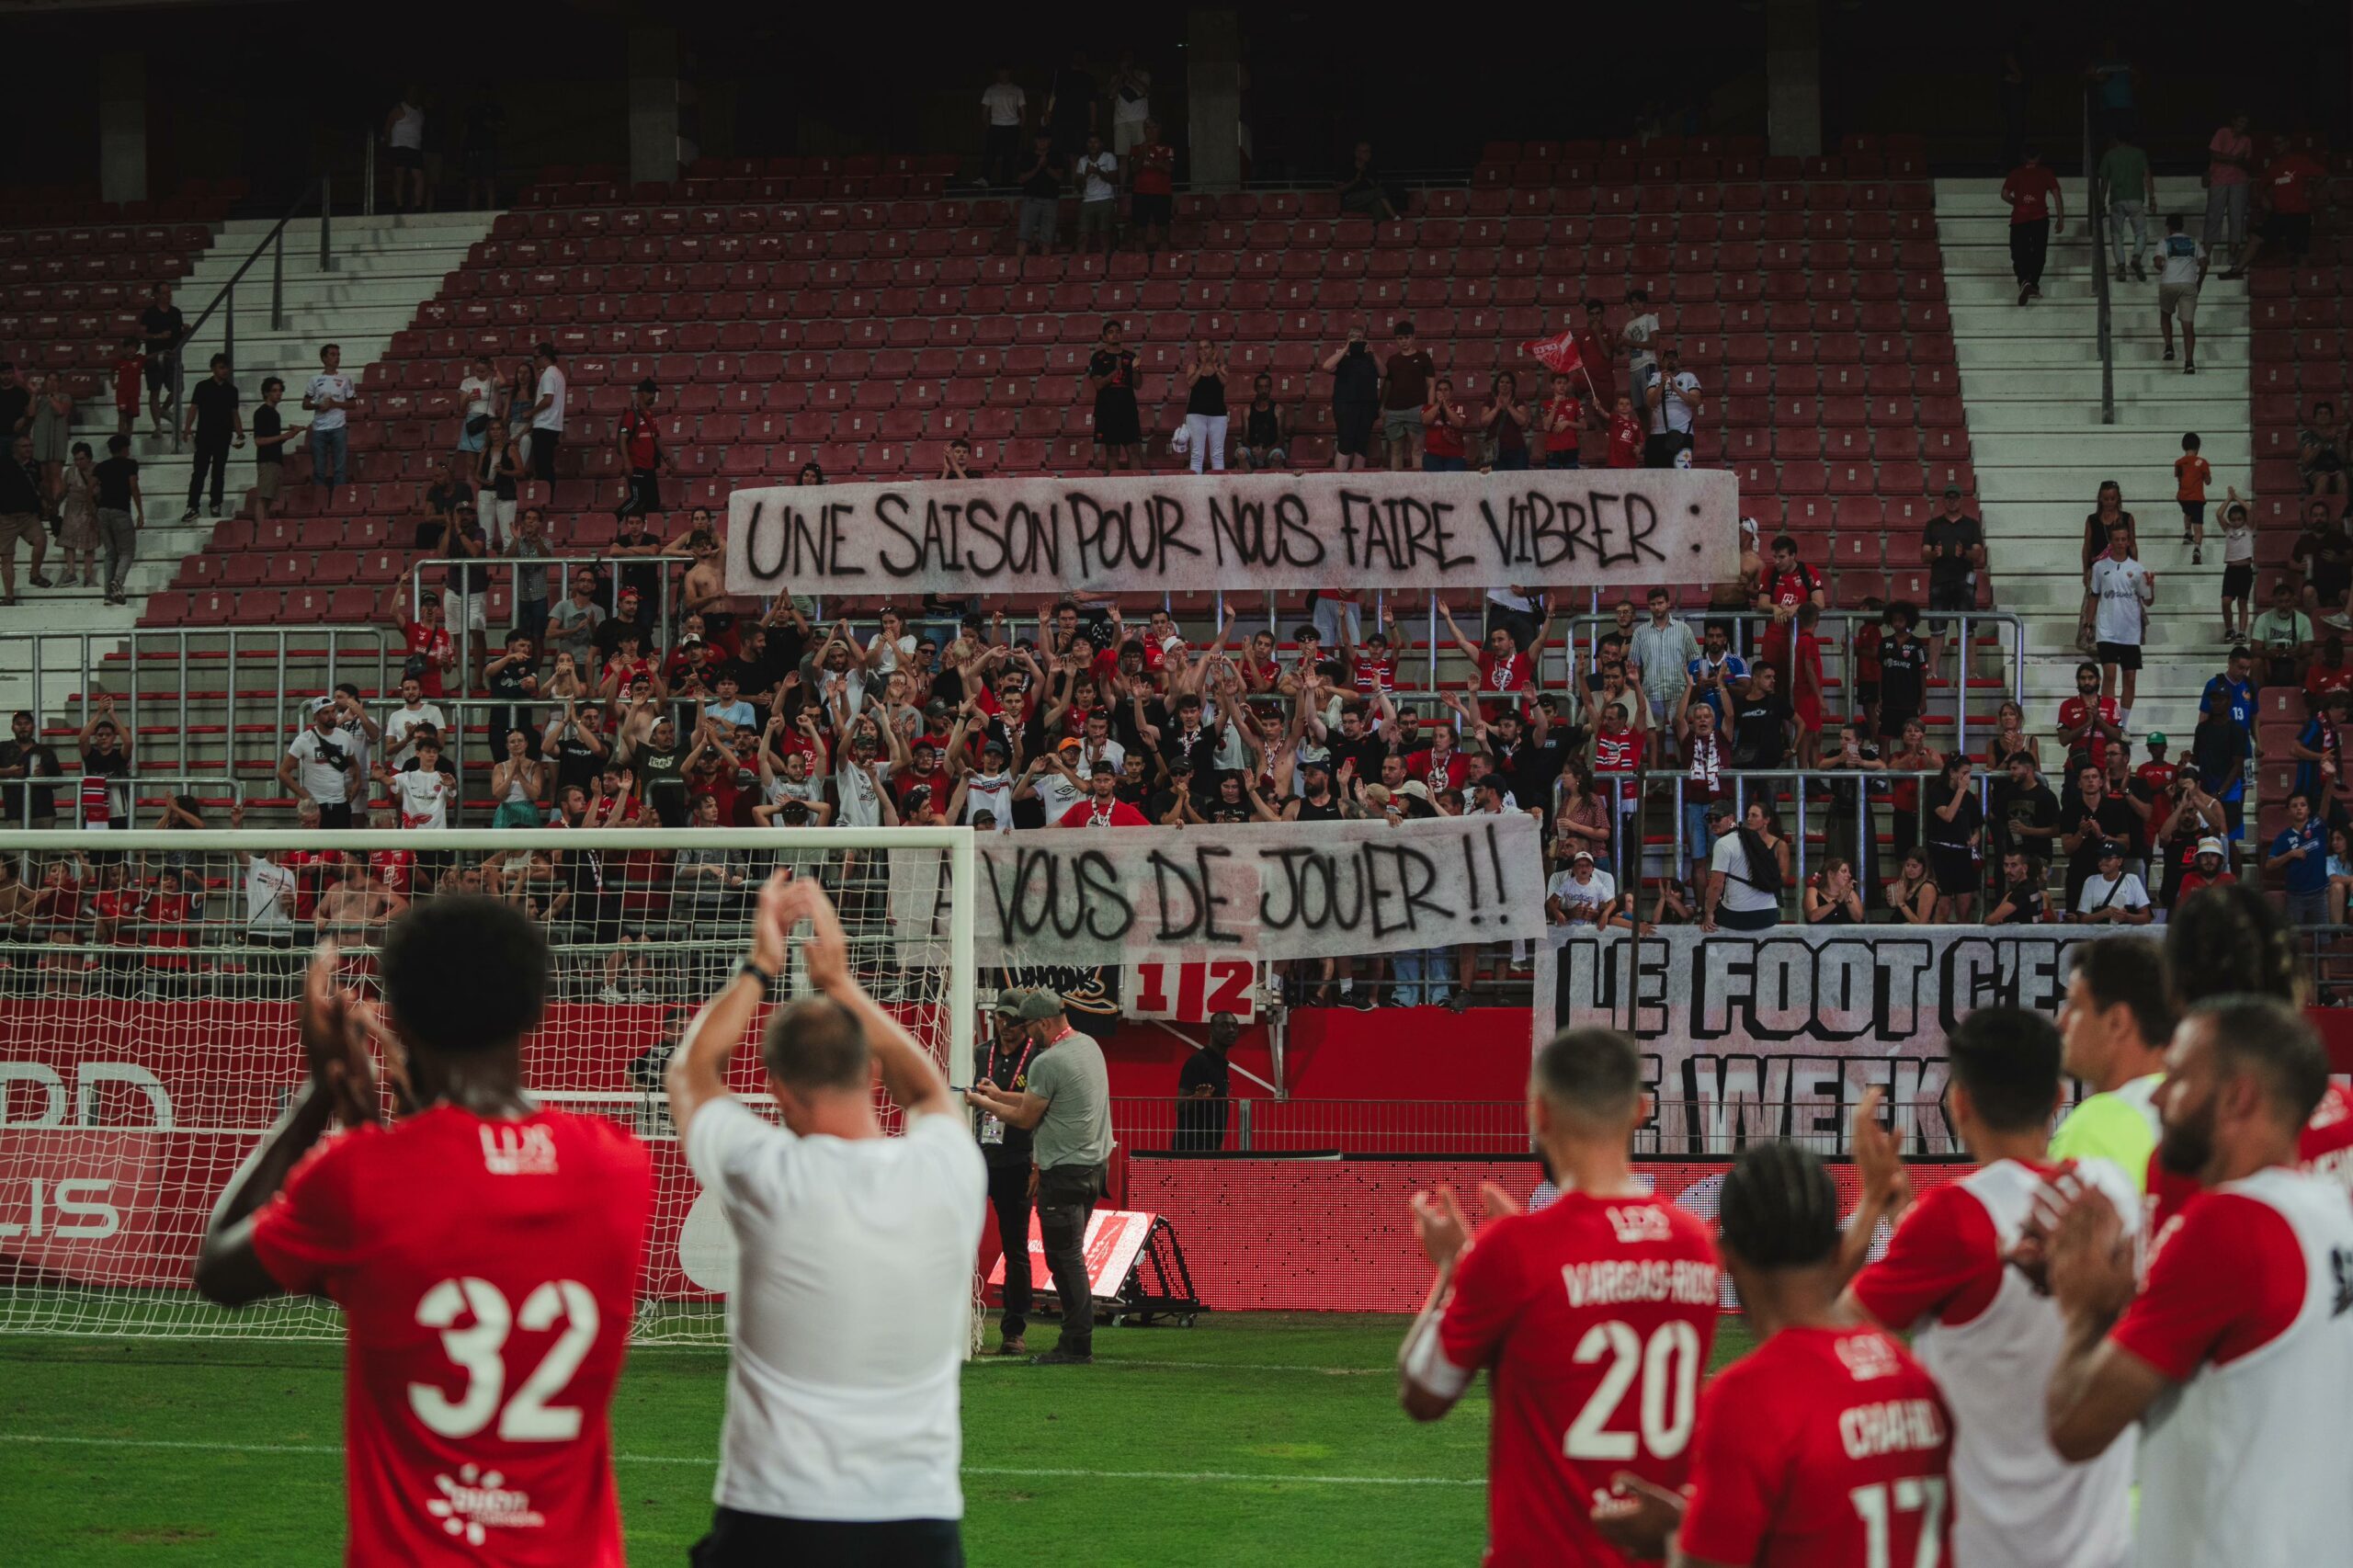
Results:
847 1316
546 413
329 397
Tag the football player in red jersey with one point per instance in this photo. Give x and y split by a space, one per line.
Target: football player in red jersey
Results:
485 1252
2234 1348
1827 1446
1594 1315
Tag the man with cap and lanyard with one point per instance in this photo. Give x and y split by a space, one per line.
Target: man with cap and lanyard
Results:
1004 1148
1066 1105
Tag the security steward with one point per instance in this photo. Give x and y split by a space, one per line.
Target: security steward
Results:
1066 1100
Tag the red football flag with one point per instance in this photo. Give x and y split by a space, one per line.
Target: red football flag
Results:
1556 353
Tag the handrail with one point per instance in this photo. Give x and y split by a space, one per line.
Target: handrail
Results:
2094 218
274 242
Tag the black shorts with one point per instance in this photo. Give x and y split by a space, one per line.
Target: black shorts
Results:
159 371
1955 867
1149 211
1961 595
1352 427
2238 579
1893 720
1116 424
2291 231
1659 451
406 157
2123 655
762 1538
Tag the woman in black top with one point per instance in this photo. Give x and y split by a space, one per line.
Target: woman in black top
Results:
1263 443
1356 399
1205 406
1955 821
1505 422
2106 513
1831 898
495 476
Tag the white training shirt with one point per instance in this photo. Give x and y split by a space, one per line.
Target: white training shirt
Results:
846 1316
860 806
321 762
2245 1462
2015 1503
990 792
2120 589
551 385
2129 894
1057 794
404 722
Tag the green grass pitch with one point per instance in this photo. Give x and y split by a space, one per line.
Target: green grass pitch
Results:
1246 1439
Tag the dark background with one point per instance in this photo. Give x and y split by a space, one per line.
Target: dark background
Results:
276 91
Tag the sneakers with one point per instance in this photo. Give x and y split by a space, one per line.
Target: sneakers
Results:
2025 292
2168 350
1058 1356
213 511
2140 274
188 516
2189 367
2120 273
611 996
38 581
2196 557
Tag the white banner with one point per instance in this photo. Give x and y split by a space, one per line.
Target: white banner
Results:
1539 528
1081 895
1776 1033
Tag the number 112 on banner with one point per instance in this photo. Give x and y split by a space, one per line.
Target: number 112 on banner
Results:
1190 992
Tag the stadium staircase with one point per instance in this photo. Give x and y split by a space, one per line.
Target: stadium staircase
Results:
860 318
2031 378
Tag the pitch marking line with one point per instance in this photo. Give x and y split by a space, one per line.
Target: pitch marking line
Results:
1244 1477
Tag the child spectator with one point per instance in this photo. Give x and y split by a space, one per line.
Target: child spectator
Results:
1563 427
1625 435
2191 474
2284 633
1869 635
129 370
2238 567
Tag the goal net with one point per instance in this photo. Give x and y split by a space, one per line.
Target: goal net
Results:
148 985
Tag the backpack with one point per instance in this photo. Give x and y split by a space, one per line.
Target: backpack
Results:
1764 866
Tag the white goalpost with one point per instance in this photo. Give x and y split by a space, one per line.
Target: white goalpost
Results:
147 1023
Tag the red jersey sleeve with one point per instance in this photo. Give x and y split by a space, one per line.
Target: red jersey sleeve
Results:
304 1235
2229 1280
1735 1485
1490 1289
1942 1261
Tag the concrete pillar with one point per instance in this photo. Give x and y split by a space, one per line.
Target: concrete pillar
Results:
1794 78
1213 96
123 126
653 104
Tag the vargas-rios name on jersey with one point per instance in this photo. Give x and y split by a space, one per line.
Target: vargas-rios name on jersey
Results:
1609 1281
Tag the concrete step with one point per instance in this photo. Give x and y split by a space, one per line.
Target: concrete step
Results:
2105 444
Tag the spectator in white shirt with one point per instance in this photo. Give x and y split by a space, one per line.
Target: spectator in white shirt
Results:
1671 394
546 413
2181 267
1098 207
1004 107
478 400
2112 895
849 1301
321 765
2118 608
329 397
1582 895
421 794
402 723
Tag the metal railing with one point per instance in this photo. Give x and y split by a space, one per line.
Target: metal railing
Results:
611 570
110 664
1967 623
2096 219
225 300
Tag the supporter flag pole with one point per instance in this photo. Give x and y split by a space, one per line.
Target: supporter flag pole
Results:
1561 355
